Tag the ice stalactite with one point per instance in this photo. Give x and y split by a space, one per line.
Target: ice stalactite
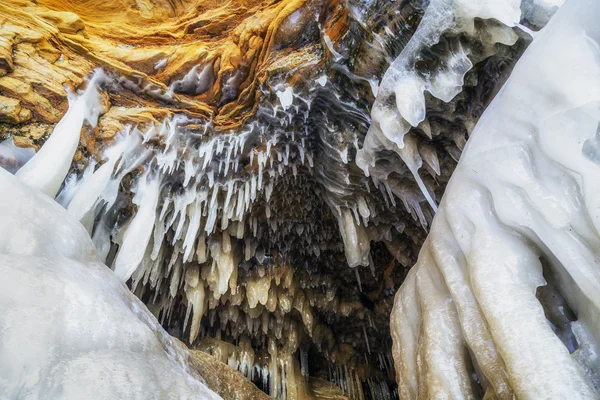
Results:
137 236
460 34
48 168
281 373
356 240
195 294
519 217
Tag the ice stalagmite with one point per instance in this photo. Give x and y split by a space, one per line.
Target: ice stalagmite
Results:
519 216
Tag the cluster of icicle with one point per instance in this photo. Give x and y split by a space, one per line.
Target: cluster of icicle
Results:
192 189
193 225
70 328
505 297
193 240
258 301
349 380
399 114
284 376
263 310
279 372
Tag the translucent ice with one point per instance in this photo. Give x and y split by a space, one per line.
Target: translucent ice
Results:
13 157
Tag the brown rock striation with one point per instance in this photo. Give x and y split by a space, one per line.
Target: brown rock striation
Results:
202 58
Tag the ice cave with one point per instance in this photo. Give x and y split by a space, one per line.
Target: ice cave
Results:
299 199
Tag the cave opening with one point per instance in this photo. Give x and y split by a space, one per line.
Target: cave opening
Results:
264 176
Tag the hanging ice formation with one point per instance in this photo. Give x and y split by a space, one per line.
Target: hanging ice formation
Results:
504 297
399 114
70 328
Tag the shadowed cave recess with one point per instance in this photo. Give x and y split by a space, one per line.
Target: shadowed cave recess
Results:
262 175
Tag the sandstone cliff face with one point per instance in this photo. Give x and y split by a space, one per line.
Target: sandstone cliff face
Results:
204 59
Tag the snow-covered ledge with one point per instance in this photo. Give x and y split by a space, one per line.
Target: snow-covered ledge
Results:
505 297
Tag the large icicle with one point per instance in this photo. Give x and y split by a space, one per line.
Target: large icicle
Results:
138 233
520 210
48 168
356 242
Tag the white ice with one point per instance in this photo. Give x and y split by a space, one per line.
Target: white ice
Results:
69 327
521 209
48 168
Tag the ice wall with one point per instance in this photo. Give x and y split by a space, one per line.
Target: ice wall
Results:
69 328
507 285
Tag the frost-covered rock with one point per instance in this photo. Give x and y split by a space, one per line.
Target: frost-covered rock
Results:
507 286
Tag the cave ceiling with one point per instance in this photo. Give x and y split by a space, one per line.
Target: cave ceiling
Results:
253 197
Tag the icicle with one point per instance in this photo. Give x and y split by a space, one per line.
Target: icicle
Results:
366 338
221 270
47 169
195 296
90 189
176 278
358 279
225 242
193 228
356 242
201 250
257 291
138 233
212 212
